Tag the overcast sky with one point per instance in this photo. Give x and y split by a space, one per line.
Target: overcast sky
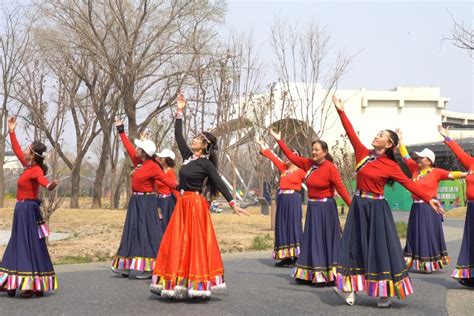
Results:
399 43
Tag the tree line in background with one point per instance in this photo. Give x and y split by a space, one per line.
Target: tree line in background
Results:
69 67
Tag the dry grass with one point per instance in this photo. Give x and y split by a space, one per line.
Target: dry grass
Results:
95 233
458 212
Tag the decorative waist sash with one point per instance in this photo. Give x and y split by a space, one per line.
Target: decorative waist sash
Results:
286 191
143 193
369 195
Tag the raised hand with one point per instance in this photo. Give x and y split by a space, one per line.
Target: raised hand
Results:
261 144
338 103
399 134
181 101
443 131
11 123
238 210
276 135
118 122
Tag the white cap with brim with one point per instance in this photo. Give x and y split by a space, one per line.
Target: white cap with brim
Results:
147 146
426 153
166 153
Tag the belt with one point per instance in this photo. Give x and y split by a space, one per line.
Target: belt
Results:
319 200
164 195
418 201
182 192
29 200
143 193
286 191
369 195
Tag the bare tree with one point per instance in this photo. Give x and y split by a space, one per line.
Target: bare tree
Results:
308 76
462 36
14 42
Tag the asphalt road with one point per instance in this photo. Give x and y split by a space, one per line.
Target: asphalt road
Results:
254 287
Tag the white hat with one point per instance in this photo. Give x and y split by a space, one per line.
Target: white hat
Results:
146 145
426 153
166 153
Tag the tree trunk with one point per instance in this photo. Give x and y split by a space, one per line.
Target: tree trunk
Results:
113 181
2 175
100 173
121 179
75 186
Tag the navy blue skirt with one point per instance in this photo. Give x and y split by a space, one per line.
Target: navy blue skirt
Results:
141 235
166 205
465 265
26 264
425 249
288 226
320 245
370 257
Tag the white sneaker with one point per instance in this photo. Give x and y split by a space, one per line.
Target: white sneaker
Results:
384 302
349 297
144 275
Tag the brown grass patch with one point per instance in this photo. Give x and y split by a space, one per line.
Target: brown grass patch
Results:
458 212
95 233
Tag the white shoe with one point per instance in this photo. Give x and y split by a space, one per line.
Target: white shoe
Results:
384 302
144 275
348 297
120 271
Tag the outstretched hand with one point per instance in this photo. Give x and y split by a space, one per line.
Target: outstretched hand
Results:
238 210
261 143
276 135
399 134
338 103
181 101
52 185
443 131
11 123
436 205
118 122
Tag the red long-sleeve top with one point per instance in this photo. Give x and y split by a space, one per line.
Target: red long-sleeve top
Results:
32 176
162 188
429 180
321 179
468 162
146 173
288 180
374 175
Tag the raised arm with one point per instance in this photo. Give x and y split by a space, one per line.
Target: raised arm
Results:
159 175
15 145
276 161
359 149
178 129
126 143
339 185
300 162
43 181
465 159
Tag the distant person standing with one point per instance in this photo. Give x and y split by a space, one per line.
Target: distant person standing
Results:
166 196
317 261
289 214
425 248
26 265
142 230
464 271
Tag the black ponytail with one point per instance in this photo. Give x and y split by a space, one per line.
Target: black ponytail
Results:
390 152
210 188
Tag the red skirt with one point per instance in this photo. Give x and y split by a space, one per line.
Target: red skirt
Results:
189 262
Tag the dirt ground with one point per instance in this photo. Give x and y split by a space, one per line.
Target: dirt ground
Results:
458 212
94 234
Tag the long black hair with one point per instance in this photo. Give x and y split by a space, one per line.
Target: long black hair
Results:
37 150
390 152
210 151
324 146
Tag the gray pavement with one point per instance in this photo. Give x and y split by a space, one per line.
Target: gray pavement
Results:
254 287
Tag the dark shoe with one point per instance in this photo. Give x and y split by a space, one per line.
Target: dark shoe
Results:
467 282
39 293
27 294
284 263
11 293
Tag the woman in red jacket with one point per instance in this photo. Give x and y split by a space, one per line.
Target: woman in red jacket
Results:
26 264
425 248
322 232
166 196
464 271
371 258
142 231
289 214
